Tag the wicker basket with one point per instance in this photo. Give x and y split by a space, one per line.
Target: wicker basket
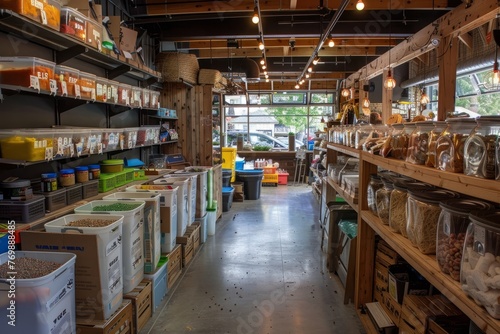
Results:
178 67
209 77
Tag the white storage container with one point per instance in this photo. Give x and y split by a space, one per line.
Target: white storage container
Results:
168 212
45 304
202 187
109 252
132 244
152 231
203 228
182 202
192 193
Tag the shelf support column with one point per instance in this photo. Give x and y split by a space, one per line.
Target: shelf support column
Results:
448 58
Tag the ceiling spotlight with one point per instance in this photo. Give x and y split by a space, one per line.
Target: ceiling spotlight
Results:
331 43
309 69
360 5
315 60
265 72
261 45
266 75
262 61
255 17
297 86
267 79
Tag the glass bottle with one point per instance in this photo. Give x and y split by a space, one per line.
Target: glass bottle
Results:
439 127
481 150
450 144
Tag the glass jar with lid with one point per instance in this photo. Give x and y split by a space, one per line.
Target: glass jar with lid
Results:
480 261
452 226
450 144
352 141
397 141
347 135
362 132
374 185
480 154
423 212
398 203
383 197
418 143
439 127
376 138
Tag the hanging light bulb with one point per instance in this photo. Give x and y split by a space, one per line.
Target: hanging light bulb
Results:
265 72
267 79
264 66
307 75
266 76
360 5
315 60
496 73
255 17
309 69
297 86
390 82
322 119
261 45
424 98
366 101
331 43
345 92
262 61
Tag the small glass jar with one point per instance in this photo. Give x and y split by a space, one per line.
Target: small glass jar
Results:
480 261
418 143
94 172
82 174
480 154
374 185
439 127
423 212
450 144
352 142
362 132
67 177
383 197
452 226
49 182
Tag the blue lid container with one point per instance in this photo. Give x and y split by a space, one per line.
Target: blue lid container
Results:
66 171
49 175
94 167
227 189
82 168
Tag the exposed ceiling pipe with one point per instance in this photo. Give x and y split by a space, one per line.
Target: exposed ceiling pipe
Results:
325 35
463 68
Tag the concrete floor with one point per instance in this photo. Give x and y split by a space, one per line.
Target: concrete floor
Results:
262 272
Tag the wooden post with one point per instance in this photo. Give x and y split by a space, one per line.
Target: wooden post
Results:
448 58
386 100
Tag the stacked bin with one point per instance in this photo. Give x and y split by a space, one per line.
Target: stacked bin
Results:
168 212
182 202
202 187
229 160
152 228
192 192
132 239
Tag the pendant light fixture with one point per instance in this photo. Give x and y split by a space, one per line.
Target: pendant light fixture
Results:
366 101
390 82
360 5
424 98
331 43
345 92
496 73
255 17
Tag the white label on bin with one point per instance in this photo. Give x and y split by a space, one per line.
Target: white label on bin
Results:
112 245
79 149
53 86
34 82
479 239
65 290
71 150
99 148
136 253
77 91
92 94
64 87
49 153
114 273
127 100
62 322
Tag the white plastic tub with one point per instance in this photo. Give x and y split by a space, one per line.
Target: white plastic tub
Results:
132 243
168 212
192 193
203 228
42 305
109 250
202 186
152 231
182 202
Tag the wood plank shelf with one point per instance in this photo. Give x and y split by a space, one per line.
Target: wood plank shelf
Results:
472 186
367 322
352 201
428 267
344 149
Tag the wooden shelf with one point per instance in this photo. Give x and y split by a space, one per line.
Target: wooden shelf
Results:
367 323
428 267
353 202
319 149
481 188
344 149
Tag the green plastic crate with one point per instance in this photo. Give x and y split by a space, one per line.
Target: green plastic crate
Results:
129 173
107 182
140 174
120 178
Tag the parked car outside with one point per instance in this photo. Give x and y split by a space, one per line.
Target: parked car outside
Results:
257 138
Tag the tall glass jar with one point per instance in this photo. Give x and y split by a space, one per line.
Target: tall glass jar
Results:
422 217
397 206
362 132
352 141
481 149
418 143
439 127
480 258
383 198
450 144
374 185
452 226
376 139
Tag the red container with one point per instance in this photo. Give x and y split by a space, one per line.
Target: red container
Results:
283 178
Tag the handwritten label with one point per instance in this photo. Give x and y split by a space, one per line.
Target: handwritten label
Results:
34 82
53 86
77 91
92 94
48 153
127 101
64 87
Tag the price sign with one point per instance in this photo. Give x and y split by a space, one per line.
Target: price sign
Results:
53 87
34 82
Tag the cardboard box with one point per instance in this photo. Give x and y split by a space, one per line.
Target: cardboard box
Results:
128 38
88 289
119 323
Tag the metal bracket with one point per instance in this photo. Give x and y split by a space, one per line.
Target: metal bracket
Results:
149 81
122 69
70 53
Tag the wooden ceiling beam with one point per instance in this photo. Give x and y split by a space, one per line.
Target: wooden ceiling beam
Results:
162 7
278 52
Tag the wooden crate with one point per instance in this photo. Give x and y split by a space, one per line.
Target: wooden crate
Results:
392 308
188 243
387 254
174 266
119 323
197 235
141 298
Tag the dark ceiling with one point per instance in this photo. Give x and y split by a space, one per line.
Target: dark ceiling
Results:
220 33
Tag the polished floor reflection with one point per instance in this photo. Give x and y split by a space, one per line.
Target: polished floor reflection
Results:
262 272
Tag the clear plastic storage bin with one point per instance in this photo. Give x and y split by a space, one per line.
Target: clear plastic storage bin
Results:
479 272
136 97
94 34
67 79
110 139
482 151
46 12
124 94
101 87
155 99
452 227
27 72
73 23
146 98
26 145
88 86
112 95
